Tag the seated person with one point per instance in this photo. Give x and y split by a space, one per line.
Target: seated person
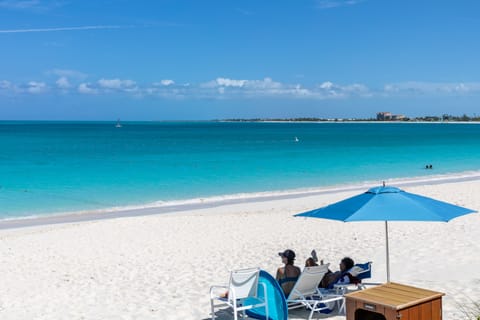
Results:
287 275
344 276
310 262
313 260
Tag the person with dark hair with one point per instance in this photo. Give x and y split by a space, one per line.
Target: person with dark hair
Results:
288 274
346 264
343 276
310 262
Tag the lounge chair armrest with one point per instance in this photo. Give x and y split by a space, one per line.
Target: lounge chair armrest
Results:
370 283
215 289
332 298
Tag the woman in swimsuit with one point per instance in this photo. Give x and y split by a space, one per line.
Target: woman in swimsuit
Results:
287 275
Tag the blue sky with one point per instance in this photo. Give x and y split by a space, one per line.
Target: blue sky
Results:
179 59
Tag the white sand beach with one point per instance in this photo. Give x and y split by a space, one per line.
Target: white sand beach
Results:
161 266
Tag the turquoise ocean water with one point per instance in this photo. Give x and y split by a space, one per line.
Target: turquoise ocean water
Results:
70 166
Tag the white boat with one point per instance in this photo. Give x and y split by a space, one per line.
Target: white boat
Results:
118 125
296 139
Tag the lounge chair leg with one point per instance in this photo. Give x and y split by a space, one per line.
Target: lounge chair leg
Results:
311 314
213 309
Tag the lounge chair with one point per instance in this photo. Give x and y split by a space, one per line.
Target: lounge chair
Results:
241 293
306 293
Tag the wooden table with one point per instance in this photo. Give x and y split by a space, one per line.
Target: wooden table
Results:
394 301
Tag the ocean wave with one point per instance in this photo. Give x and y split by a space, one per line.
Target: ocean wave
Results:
194 203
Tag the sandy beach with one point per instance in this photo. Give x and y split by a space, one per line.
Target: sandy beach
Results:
161 266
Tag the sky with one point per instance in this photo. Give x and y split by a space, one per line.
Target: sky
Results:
218 59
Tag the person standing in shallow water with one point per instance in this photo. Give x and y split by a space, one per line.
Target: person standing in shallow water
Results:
288 274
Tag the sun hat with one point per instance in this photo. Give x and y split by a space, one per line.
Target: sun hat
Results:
289 254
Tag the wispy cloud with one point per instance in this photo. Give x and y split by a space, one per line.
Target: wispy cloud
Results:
117 85
30 5
18 4
78 28
329 4
68 73
244 11
432 88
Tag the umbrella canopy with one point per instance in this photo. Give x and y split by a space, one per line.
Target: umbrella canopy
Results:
388 204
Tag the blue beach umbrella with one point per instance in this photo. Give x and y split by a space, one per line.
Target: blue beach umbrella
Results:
388 204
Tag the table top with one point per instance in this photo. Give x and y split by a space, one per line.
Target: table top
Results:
394 295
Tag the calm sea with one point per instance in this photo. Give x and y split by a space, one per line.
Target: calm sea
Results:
48 167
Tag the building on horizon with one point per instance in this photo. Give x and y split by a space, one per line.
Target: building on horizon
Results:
384 116
388 116
398 117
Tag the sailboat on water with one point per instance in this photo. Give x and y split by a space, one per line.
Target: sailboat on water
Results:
118 125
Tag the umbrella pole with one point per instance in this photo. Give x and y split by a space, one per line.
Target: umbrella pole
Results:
387 254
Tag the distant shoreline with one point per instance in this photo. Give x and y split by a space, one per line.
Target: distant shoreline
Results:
349 121
18 122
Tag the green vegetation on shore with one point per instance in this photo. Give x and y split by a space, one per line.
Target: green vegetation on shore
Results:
442 118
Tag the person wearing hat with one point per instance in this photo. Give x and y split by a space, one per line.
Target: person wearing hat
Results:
287 275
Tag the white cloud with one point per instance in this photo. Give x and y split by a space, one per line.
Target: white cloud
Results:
230 82
63 83
9 88
86 88
327 85
167 82
164 83
36 87
117 84
69 81
328 4
236 88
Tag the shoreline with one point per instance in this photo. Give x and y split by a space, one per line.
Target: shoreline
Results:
129 267
345 120
175 206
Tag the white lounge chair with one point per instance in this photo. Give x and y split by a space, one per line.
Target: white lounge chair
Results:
243 285
305 293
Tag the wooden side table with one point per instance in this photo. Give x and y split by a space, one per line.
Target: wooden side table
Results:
394 301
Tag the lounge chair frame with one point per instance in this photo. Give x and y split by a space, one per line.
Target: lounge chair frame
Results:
243 285
306 293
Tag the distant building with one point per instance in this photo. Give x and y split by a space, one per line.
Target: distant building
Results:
384 116
388 116
398 117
